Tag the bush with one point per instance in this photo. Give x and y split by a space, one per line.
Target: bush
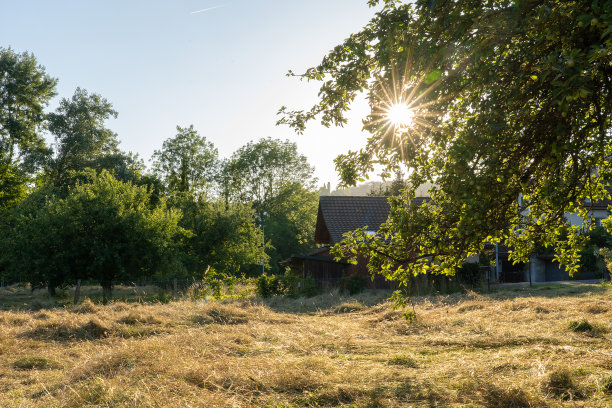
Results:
469 274
309 287
354 284
268 286
286 285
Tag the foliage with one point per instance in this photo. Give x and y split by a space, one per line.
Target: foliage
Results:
224 237
260 170
512 104
12 186
104 230
268 286
25 89
285 285
592 262
469 274
290 220
279 183
187 162
397 185
80 135
354 284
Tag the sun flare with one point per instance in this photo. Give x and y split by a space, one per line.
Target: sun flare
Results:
400 115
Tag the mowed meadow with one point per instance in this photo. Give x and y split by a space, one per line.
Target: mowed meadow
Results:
525 347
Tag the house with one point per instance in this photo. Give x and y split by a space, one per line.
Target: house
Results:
336 216
543 268
340 214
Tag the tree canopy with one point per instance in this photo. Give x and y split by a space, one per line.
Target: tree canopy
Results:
186 162
82 141
278 181
104 230
25 90
508 115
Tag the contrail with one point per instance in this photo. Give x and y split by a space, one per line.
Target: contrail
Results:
206 9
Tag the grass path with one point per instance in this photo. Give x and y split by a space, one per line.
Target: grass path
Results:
545 346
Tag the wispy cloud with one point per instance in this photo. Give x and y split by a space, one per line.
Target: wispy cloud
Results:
206 9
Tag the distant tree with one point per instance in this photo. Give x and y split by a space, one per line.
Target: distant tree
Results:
187 162
25 90
393 188
104 230
83 141
279 183
259 170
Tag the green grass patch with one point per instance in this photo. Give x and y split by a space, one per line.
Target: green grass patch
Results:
36 363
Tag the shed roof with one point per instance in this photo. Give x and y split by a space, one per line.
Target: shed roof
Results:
340 214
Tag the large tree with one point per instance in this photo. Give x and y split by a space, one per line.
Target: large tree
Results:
187 162
104 230
278 181
83 140
25 90
505 106
259 171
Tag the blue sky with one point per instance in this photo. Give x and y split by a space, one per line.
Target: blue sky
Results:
222 70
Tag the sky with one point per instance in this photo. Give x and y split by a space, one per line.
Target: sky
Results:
217 64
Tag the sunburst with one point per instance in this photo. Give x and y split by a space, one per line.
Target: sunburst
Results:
400 115
402 111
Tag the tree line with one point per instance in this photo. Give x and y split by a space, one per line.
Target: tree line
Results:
81 208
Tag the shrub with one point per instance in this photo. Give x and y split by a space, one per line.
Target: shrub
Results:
286 285
309 288
163 297
268 286
469 274
354 284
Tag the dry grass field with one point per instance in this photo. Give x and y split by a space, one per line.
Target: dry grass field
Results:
546 346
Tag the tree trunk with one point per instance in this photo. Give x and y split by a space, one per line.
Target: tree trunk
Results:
107 291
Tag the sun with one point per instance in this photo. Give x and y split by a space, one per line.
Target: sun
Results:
400 115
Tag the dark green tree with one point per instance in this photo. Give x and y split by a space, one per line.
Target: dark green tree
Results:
187 162
25 90
105 230
224 236
504 106
290 219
